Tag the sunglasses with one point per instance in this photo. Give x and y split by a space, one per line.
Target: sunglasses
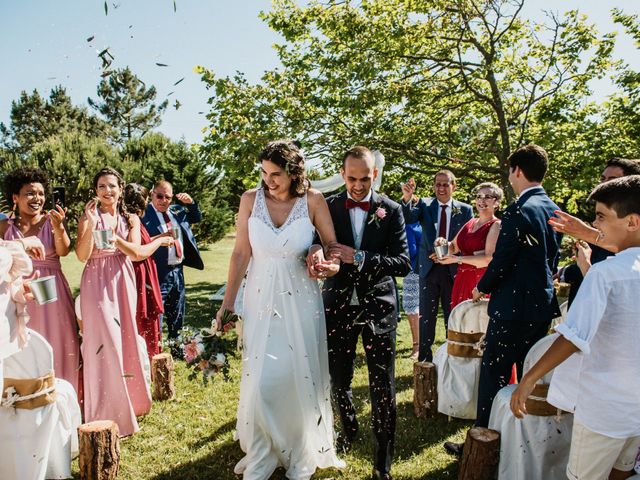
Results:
162 196
485 197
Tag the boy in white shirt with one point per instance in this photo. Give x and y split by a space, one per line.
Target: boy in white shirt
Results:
601 383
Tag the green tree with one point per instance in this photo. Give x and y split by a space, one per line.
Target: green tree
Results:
34 119
440 83
128 105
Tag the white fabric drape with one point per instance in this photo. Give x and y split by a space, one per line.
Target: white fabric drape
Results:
458 377
536 447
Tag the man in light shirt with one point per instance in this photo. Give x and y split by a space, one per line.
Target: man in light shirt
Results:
597 354
161 217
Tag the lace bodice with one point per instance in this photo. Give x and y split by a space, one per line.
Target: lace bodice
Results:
260 211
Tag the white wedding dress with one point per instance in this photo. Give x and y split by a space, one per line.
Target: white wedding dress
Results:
284 414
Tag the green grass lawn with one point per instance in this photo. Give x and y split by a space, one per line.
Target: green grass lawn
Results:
191 437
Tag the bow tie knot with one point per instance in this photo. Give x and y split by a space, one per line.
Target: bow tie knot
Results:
350 203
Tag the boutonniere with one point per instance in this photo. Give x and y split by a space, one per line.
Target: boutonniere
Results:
455 211
378 215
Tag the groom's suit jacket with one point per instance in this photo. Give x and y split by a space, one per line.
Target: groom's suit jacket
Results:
384 242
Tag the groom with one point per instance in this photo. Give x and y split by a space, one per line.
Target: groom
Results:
361 300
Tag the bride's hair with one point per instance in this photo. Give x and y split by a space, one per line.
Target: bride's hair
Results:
288 155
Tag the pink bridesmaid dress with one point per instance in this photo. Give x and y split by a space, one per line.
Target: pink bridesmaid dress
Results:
114 384
55 321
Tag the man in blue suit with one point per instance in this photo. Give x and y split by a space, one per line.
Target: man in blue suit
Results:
519 278
159 218
441 216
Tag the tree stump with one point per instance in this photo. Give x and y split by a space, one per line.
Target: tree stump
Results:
481 455
425 389
163 377
99 450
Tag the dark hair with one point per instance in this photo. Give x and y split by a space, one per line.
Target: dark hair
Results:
18 178
620 194
136 198
448 173
627 165
357 152
121 208
288 156
532 160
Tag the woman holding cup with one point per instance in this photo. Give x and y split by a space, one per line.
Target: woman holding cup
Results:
114 382
52 316
473 246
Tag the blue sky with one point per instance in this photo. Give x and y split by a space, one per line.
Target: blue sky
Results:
44 43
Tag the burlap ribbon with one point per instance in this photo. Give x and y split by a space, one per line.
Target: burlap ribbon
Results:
466 345
537 404
29 393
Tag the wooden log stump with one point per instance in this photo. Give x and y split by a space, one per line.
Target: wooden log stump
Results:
425 390
99 450
481 455
163 377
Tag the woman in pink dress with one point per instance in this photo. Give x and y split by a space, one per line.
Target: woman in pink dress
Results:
473 246
114 384
26 188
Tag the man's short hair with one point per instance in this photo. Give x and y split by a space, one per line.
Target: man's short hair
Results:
448 173
629 166
620 194
357 152
162 183
532 160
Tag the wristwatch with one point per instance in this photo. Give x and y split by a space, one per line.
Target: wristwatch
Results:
358 258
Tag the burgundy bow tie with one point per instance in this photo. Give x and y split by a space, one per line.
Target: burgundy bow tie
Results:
353 204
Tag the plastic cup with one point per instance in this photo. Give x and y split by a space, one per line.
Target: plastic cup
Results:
44 290
441 249
175 231
102 238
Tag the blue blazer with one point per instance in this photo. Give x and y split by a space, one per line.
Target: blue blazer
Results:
426 211
185 216
519 277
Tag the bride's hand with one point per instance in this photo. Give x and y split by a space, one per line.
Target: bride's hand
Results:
220 313
326 269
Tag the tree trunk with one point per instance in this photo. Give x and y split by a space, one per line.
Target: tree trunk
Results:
480 455
99 450
163 377
425 390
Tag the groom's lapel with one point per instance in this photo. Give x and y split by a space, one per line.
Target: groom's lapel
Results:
343 220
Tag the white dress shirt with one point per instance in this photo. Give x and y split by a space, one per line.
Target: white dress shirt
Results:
172 255
358 218
449 205
601 383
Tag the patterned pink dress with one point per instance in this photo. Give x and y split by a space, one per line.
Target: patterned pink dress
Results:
55 321
114 384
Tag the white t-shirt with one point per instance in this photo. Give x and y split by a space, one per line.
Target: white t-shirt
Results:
601 383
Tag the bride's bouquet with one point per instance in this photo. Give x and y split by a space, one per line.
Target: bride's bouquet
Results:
207 350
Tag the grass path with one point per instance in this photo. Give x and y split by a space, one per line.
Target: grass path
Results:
192 436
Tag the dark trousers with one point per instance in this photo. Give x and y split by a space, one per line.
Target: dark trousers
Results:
435 289
173 298
507 342
380 349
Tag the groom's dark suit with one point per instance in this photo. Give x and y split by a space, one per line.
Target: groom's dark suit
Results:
523 301
375 316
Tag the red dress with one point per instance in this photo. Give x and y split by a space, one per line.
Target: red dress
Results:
468 276
149 306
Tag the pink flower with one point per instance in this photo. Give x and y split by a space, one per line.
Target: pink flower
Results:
228 326
203 365
192 350
381 213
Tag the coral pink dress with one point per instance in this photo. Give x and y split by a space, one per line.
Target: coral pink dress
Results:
149 300
114 383
55 321
468 276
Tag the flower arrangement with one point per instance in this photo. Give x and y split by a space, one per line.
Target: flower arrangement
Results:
378 215
456 211
206 350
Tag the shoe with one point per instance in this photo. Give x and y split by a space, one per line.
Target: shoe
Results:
414 353
343 444
454 448
378 475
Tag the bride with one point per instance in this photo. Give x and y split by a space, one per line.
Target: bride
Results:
284 414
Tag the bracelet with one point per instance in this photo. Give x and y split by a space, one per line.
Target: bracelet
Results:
599 237
460 260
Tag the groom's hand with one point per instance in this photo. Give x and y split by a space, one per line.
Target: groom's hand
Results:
342 252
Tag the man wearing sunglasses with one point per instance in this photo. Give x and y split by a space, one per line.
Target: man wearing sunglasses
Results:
162 217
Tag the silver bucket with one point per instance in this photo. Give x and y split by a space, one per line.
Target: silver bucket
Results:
175 231
44 290
441 249
103 239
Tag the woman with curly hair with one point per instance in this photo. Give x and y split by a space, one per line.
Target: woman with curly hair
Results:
26 188
115 387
